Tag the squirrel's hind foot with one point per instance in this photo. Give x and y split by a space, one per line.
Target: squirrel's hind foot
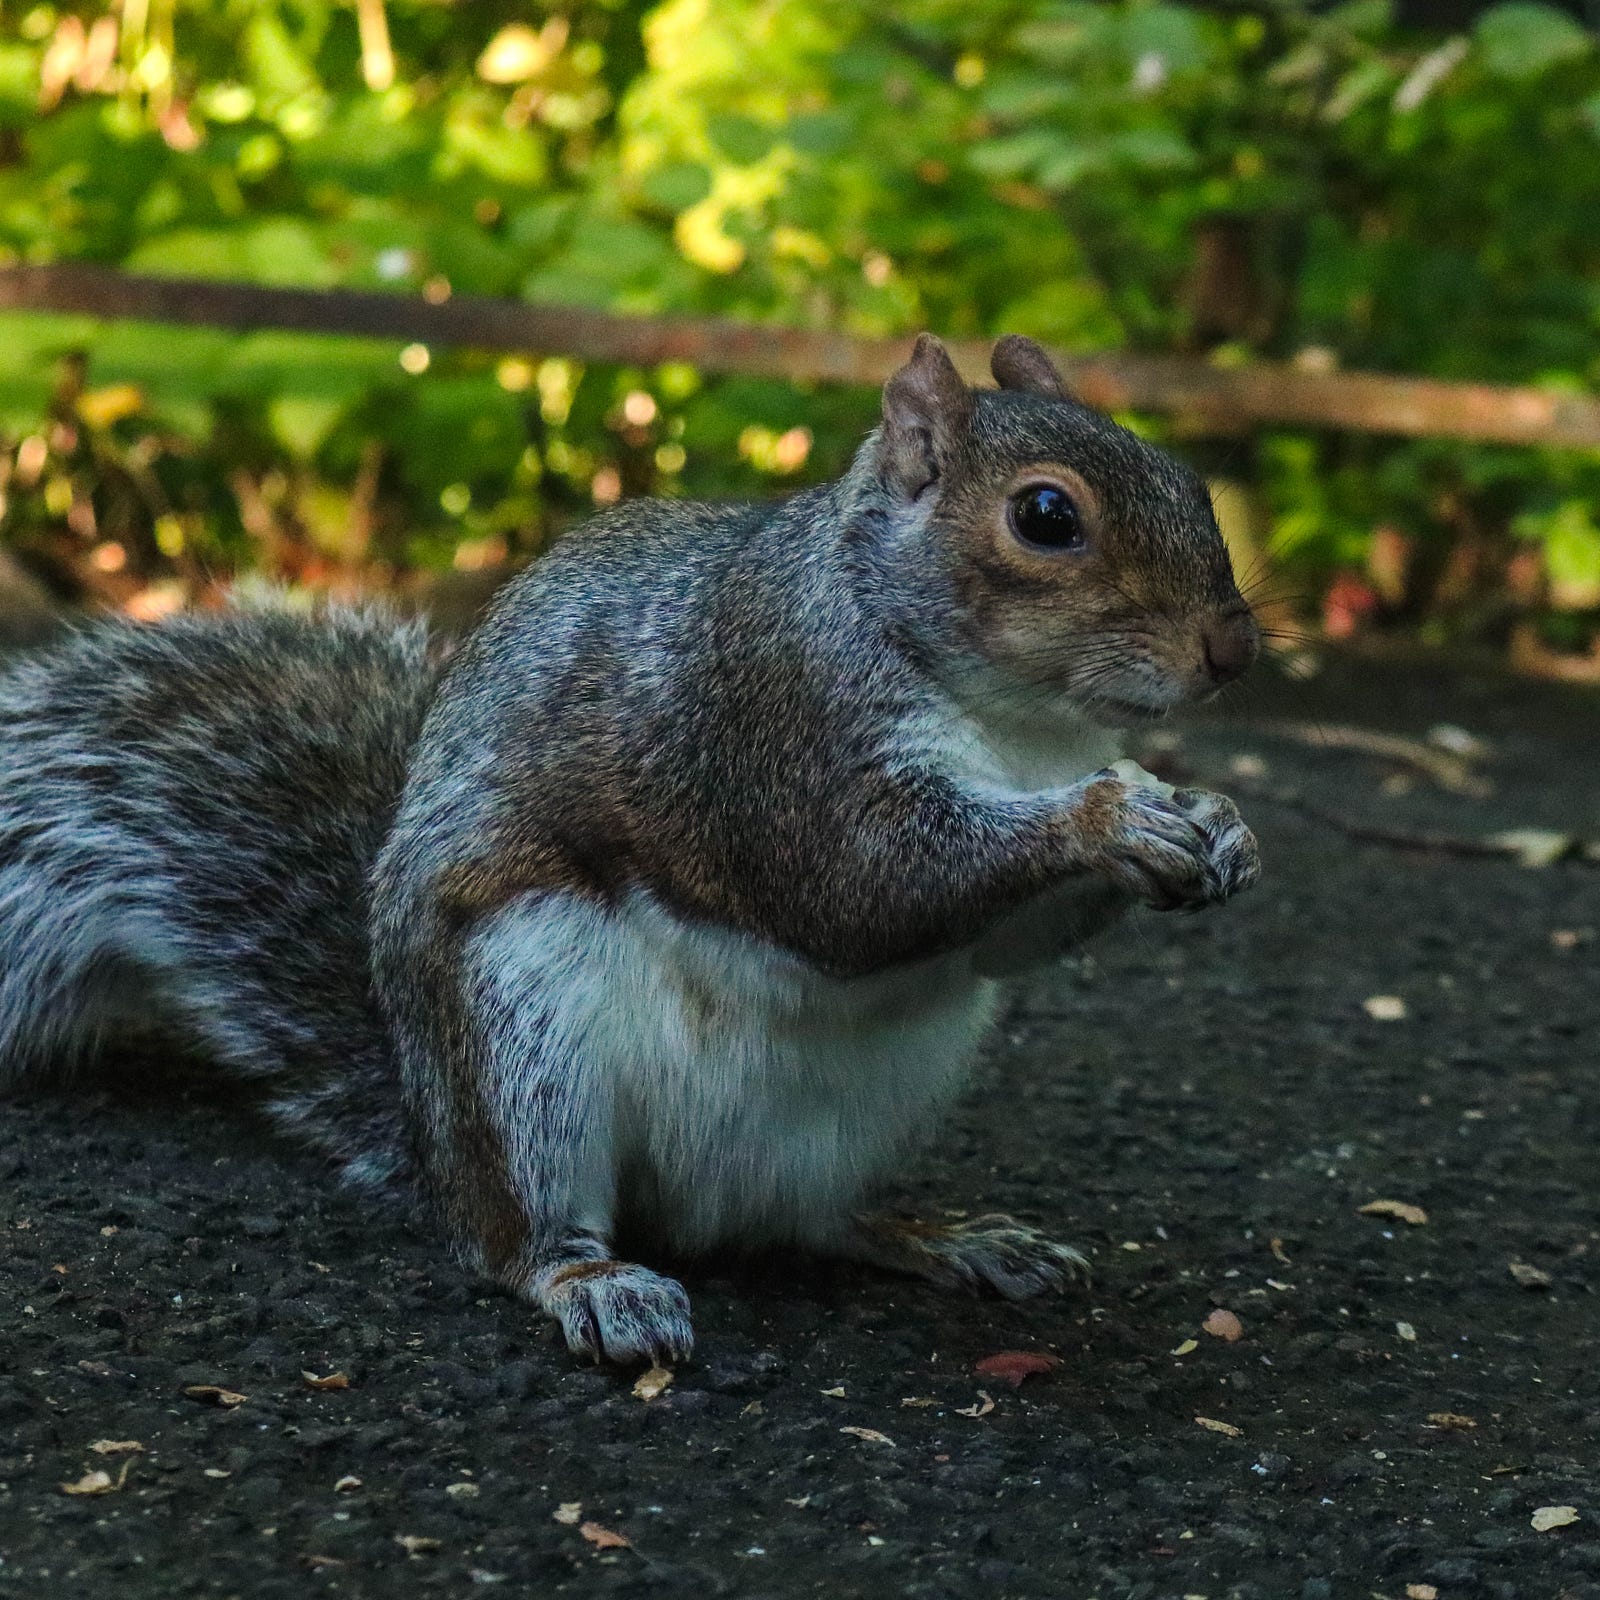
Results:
994 1251
618 1312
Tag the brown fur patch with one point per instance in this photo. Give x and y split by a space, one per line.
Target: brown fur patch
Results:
1097 817
489 1209
469 890
582 1271
910 1233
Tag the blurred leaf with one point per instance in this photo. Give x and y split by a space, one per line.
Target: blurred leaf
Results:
1521 38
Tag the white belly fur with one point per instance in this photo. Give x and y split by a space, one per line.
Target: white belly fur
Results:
752 1099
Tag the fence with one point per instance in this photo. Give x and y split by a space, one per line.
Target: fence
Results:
1208 398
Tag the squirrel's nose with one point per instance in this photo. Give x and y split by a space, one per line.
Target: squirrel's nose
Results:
1230 644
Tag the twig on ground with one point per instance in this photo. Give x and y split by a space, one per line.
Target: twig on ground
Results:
1449 769
1529 847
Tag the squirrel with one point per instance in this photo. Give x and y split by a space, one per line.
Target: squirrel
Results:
677 902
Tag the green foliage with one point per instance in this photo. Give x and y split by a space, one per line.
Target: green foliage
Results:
1270 179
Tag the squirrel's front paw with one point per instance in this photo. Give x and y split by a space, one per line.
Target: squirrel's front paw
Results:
1177 851
616 1311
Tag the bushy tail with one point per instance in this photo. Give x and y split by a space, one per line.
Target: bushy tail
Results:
187 817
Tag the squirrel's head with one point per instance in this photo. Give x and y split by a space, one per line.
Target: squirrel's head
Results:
1081 561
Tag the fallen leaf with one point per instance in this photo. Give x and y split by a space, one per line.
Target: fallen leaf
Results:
568 1512
212 1394
462 1491
1278 1253
833 1394
215 1472
1187 1348
1421 1591
1529 1277
918 1401
1385 1008
1459 742
1013 1366
1400 1210
318 1563
1452 1420
983 1406
604 1538
653 1384
345 1484
1223 1324
97 1482
1406 1332
115 1447
871 1435
1533 847
1548 1517
1220 1427
418 1544
334 1380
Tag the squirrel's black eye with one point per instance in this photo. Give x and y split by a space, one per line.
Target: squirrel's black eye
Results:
1048 516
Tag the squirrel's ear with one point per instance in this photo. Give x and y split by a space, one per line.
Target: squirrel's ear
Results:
926 409
1019 363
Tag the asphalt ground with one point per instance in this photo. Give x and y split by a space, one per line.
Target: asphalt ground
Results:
1204 1105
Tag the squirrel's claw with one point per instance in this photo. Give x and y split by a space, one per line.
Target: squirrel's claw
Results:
1180 851
994 1251
621 1313
1010 1257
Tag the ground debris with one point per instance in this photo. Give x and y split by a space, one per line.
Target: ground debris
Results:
1548 1517
116 1447
1386 1008
1528 1276
603 1538
981 1408
1400 1210
418 1544
334 1380
98 1481
568 1513
871 1435
1013 1366
653 1384
1226 1428
212 1394
1223 1324
1452 1421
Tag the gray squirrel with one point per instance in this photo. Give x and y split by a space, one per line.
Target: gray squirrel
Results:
680 899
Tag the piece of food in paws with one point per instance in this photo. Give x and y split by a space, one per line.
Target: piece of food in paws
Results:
1131 773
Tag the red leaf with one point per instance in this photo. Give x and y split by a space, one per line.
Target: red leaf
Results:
1012 1366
